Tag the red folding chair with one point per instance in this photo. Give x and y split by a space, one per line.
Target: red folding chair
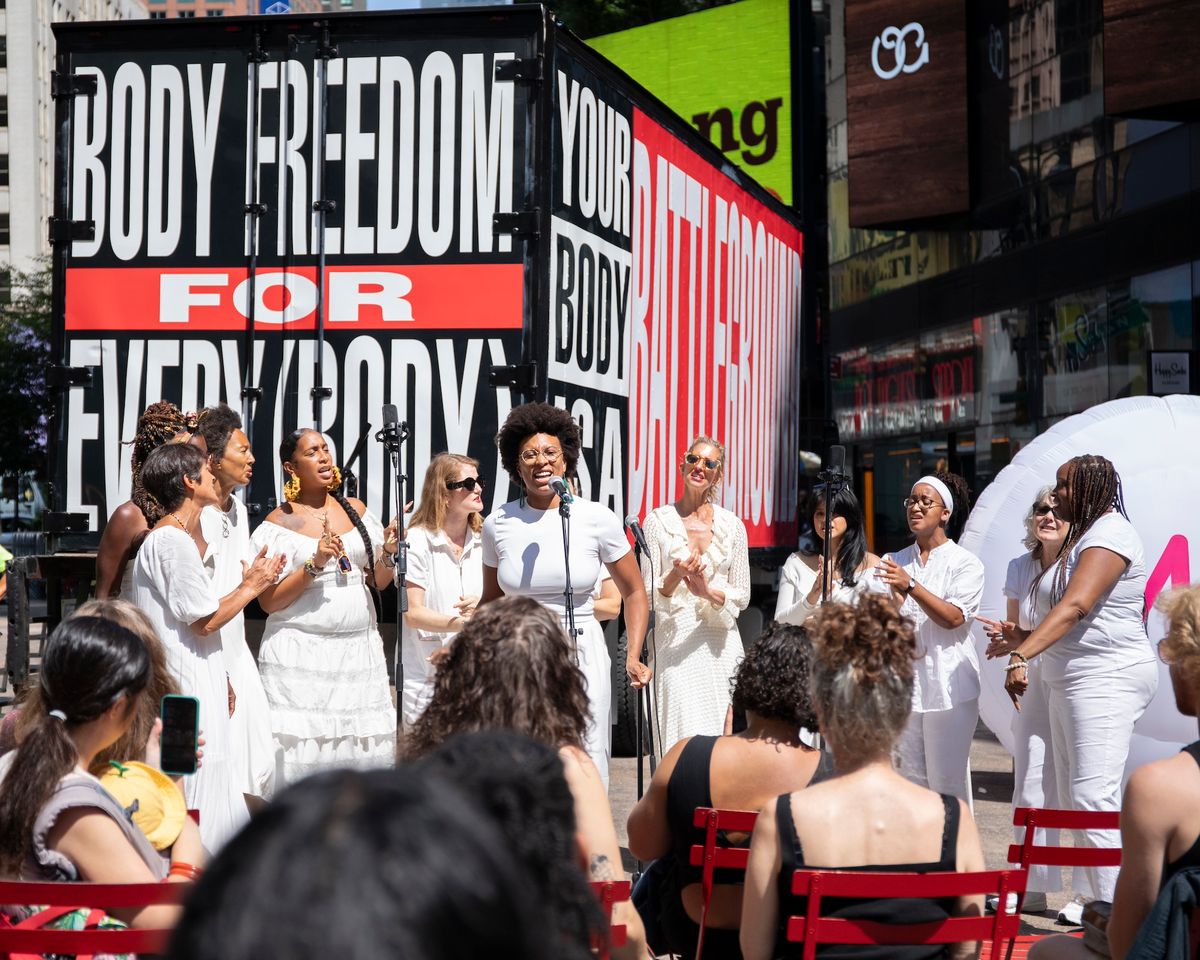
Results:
609 892
709 857
29 941
812 928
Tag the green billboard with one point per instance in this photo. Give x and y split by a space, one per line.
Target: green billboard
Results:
727 70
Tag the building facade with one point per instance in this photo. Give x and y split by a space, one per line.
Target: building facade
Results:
1075 269
163 9
26 115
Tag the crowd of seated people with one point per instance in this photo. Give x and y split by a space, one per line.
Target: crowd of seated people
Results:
483 839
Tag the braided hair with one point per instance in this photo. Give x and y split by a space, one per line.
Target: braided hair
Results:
962 502
1095 489
158 424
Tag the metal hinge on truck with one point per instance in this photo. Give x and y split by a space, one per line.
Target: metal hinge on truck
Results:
522 223
72 84
523 376
65 230
520 71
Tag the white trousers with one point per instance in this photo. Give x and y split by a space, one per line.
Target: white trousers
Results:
1091 725
934 750
596 666
1035 783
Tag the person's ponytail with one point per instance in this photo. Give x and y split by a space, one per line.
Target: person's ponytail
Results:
88 664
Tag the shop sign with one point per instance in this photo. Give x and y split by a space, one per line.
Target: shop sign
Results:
1170 372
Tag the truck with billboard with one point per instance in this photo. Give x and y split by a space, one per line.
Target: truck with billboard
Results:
450 211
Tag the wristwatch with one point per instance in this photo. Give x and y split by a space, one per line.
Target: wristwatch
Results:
912 585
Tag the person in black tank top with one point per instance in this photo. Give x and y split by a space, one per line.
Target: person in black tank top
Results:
771 686
1160 811
867 817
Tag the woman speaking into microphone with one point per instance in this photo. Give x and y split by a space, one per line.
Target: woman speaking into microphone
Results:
524 555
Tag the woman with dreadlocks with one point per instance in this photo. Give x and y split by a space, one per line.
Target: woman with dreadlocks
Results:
937 584
321 657
131 521
1097 662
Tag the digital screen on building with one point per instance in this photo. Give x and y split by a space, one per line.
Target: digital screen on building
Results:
727 71
906 101
1151 48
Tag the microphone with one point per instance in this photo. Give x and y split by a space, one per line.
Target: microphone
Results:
393 432
837 460
632 525
559 486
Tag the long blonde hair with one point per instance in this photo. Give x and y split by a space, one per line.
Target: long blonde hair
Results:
442 469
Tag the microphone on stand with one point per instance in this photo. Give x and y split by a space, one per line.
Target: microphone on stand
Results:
632 525
559 486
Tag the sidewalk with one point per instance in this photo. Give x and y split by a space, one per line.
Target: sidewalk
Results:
992 779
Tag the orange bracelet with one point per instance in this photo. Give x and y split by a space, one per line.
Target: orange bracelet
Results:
185 870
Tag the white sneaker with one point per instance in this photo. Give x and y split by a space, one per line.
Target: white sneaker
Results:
1035 902
1071 914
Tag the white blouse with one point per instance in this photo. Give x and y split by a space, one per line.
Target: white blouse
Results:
948 668
796 581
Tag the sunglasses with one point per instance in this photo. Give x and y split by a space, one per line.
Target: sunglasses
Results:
1043 511
691 460
466 483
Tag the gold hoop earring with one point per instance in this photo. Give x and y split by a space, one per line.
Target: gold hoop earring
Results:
291 489
337 479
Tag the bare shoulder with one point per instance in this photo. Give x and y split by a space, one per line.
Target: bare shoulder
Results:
359 507
127 520
871 560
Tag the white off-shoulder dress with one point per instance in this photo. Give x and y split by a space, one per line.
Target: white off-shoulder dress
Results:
322 663
696 645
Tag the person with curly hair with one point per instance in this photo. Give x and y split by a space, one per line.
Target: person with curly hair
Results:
1096 659
173 587
523 555
866 817
511 667
227 529
129 523
701 569
739 772
445 572
938 584
521 784
321 656
1160 812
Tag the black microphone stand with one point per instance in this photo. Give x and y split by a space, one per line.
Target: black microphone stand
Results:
393 436
834 480
349 478
564 511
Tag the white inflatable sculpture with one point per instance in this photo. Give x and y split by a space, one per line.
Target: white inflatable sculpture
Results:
1155 445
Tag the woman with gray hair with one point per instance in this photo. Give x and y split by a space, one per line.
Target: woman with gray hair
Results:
867 817
1034 782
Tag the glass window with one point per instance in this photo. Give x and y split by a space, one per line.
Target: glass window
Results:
1150 312
1073 334
4 238
3 169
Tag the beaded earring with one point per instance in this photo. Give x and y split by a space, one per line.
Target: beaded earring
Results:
337 479
291 489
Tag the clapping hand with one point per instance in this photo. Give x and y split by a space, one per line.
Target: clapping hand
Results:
263 572
465 605
894 575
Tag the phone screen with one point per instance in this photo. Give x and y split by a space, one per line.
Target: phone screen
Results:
180 717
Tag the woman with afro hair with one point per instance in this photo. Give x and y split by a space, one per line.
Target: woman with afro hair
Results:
523 556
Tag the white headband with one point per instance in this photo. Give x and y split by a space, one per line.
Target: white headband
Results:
941 488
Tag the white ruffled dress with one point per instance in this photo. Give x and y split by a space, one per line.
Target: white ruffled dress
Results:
322 663
696 646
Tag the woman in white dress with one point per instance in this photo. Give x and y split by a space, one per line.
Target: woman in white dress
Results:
321 657
848 567
938 585
445 571
227 530
701 569
172 584
1034 782
129 523
523 555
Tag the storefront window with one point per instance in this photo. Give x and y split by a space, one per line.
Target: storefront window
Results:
1073 331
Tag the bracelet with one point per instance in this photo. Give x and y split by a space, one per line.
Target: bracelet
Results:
1016 666
311 568
185 870
389 559
1020 656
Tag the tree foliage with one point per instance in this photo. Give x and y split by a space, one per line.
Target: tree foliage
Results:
25 360
593 18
